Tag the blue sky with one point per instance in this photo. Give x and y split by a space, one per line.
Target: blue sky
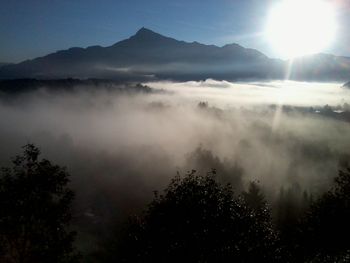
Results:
34 28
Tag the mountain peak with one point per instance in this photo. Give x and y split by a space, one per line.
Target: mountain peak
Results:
146 32
146 37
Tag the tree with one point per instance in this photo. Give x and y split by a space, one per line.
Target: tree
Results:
255 199
35 211
325 231
198 220
203 160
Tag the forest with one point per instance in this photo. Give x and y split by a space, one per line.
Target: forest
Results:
195 219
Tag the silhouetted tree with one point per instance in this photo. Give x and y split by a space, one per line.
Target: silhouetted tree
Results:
325 231
198 220
255 199
35 211
204 160
288 211
203 105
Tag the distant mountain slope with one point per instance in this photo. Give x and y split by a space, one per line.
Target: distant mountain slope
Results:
149 55
4 64
321 67
18 86
347 85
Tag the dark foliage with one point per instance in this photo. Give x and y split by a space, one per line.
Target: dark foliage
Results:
255 199
196 219
199 220
203 160
35 211
291 205
325 231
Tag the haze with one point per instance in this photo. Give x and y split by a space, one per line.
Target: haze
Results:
101 135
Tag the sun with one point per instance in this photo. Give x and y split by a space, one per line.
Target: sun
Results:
300 27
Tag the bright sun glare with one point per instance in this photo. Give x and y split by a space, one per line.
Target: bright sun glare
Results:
301 27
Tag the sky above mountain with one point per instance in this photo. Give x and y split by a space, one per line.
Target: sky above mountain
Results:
33 28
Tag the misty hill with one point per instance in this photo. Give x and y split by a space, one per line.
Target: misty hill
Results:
321 67
149 55
18 86
347 85
4 64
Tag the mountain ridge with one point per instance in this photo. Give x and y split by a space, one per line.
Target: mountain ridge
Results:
148 54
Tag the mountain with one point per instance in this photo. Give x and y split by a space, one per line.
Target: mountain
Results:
321 67
16 87
149 55
4 64
346 85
